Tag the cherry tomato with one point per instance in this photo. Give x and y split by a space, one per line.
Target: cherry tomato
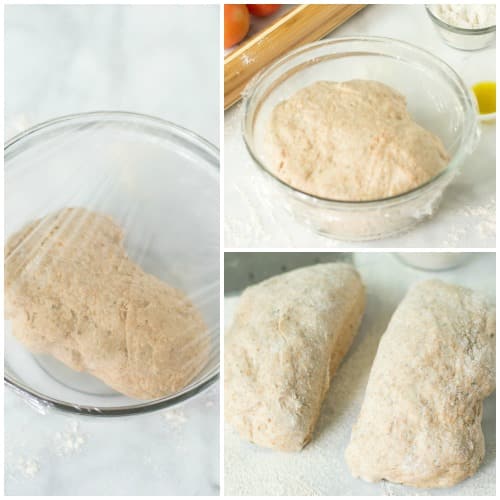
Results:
263 9
236 24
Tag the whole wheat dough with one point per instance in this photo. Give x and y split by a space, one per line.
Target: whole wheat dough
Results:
72 292
420 422
288 337
351 141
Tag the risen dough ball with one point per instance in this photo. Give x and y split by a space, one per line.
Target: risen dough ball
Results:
351 141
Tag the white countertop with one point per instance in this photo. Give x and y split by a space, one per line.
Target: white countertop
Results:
171 452
320 468
466 218
62 60
147 59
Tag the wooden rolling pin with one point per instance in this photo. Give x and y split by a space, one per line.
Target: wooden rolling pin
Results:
303 24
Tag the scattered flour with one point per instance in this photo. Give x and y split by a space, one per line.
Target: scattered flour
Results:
471 16
23 462
175 417
27 467
178 416
487 213
19 466
69 441
482 218
246 59
320 468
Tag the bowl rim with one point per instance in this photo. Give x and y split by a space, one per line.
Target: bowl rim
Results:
112 114
488 117
472 129
457 29
42 401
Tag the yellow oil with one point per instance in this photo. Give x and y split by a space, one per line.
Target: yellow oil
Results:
486 95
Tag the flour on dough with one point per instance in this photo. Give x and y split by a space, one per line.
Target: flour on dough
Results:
420 422
288 338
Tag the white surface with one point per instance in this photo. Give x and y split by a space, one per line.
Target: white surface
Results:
173 452
467 215
147 59
61 60
320 469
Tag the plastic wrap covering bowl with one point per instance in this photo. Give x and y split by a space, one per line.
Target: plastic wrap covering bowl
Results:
159 185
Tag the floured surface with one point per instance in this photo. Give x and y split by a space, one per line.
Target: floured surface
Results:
320 469
48 454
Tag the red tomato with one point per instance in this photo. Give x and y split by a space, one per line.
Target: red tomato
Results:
263 9
236 24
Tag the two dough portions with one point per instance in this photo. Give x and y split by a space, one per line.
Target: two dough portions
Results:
288 338
420 423
72 292
351 141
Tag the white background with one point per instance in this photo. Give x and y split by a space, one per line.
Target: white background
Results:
61 60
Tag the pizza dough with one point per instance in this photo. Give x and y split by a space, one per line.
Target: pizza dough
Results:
288 338
420 423
351 141
72 292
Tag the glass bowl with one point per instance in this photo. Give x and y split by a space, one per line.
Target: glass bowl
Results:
160 183
436 97
462 38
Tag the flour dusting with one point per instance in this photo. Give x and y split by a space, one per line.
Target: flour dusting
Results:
175 417
28 467
481 217
70 441
320 468
252 470
246 59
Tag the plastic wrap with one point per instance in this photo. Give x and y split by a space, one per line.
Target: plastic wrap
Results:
112 264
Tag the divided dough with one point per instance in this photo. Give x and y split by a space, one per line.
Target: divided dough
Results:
72 292
351 141
420 423
288 338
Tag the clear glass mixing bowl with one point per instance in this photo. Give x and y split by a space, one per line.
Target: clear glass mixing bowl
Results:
436 97
160 182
